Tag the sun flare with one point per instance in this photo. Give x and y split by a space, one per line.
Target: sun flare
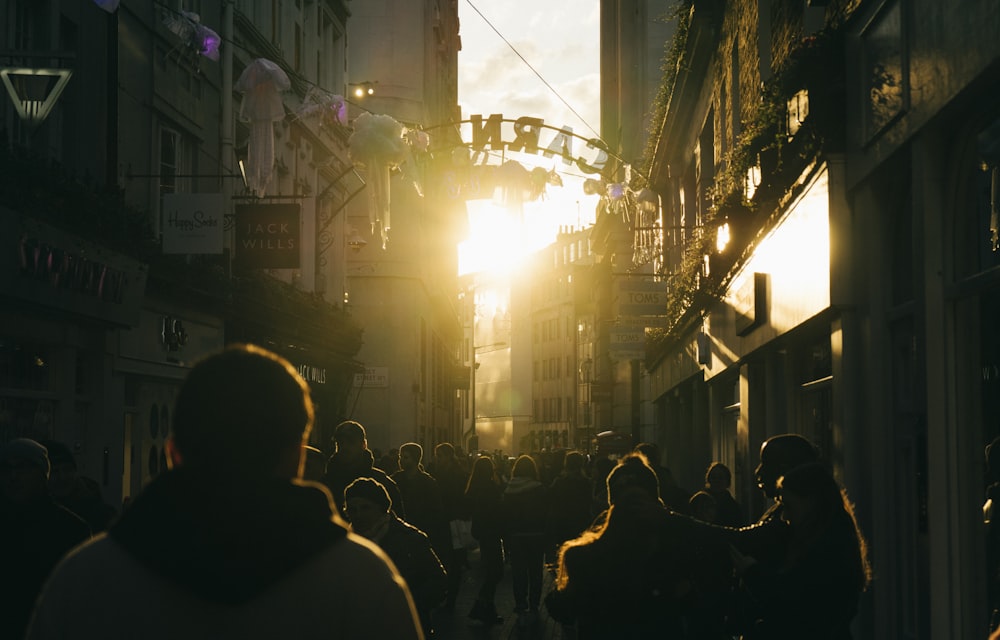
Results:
500 240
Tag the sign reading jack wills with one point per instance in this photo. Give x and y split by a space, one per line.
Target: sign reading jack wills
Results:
267 236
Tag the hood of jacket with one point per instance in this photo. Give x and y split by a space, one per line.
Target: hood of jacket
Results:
521 485
226 542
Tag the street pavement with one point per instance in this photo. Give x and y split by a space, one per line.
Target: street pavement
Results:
459 626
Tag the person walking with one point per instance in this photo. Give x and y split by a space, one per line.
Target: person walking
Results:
630 576
483 495
524 513
420 491
35 531
228 542
718 480
352 459
370 512
814 591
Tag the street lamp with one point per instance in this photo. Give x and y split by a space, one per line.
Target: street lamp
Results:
473 436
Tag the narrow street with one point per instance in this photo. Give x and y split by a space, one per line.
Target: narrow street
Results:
460 627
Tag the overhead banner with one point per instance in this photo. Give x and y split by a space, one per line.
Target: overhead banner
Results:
193 222
268 236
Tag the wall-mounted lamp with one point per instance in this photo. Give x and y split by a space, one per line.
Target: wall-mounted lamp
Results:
354 240
362 89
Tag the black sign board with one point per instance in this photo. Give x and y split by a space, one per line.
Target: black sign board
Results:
268 236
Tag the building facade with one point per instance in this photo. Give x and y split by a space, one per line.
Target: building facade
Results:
828 178
124 212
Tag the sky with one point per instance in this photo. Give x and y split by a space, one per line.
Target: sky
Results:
560 39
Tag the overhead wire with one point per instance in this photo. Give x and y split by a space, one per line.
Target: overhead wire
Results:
533 70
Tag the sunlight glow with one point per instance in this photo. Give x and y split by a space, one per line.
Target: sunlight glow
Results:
499 242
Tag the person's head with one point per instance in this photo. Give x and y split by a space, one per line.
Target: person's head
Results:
24 470
573 462
410 456
444 453
525 467
243 412
703 506
778 455
350 439
809 494
631 477
652 452
367 505
718 477
483 472
63 475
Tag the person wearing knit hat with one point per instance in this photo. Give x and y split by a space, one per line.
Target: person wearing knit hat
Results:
369 509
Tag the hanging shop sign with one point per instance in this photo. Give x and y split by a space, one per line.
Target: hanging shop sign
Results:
372 377
268 236
636 297
192 222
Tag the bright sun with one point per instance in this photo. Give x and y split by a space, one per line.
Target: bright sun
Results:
499 242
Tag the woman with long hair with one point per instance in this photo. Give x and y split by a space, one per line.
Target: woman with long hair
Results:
483 494
524 516
814 592
627 576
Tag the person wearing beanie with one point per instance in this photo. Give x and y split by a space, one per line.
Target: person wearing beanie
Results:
35 531
369 510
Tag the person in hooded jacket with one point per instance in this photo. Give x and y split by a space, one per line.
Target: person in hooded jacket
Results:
524 514
229 543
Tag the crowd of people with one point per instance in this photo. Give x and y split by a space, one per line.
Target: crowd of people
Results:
250 522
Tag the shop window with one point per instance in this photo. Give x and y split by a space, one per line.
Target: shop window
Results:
25 366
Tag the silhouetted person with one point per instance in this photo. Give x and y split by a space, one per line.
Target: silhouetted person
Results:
79 494
814 591
718 480
524 510
352 460
672 495
451 479
703 507
420 491
483 495
35 531
628 576
570 496
370 512
228 542
767 539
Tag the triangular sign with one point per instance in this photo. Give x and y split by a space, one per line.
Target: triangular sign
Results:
35 111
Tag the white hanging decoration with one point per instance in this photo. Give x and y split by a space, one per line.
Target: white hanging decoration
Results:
261 84
378 145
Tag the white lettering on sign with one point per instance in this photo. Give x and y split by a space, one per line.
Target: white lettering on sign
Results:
372 377
312 374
